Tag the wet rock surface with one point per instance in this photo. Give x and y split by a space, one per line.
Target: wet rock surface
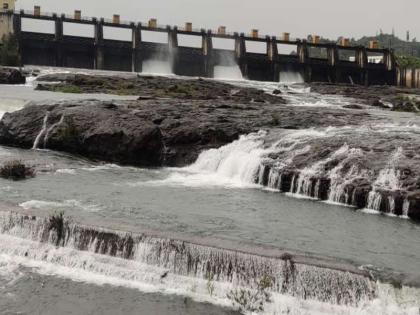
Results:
154 132
154 87
374 167
344 155
11 76
384 97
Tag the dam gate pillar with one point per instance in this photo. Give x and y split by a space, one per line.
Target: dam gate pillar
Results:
303 57
240 53
333 64
207 50
136 61
58 40
273 57
99 45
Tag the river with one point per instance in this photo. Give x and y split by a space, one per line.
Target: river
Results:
212 203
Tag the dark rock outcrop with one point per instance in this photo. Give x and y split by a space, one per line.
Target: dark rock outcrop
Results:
383 97
154 132
154 87
97 130
11 76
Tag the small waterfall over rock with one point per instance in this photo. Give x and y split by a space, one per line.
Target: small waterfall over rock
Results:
45 131
239 160
291 275
324 164
42 131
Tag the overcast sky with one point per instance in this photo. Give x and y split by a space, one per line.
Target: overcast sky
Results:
328 18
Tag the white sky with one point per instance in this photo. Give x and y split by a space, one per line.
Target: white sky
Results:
328 18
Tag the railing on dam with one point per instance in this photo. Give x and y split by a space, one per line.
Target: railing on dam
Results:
96 51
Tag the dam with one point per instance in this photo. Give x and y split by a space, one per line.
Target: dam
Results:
94 51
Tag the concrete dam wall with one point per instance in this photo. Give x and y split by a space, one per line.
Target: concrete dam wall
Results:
97 52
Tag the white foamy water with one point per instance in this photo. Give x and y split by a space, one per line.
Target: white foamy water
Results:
154 66
98 269
228 73
291 77
235 165
65 205
10 105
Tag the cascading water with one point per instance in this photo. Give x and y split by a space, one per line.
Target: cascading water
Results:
239 161
45 131
227 68
228 268
156 66
51 129
203 272
42 131
228 73
290 77
337 174
387 180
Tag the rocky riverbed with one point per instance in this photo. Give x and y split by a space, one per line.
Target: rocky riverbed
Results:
384 97
344 154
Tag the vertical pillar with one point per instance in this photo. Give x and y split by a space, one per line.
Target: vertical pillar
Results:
15 28
207 49
303 56
332 53
17 23
390 65
240 47
362 63
136 62
58 23
302 51
272 51
333 63
240 53
273 56
99 41
172 38
172 47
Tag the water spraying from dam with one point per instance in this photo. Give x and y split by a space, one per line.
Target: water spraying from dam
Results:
156 66
291 77
227 68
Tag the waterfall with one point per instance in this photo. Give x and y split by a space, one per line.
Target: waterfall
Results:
156 66
388 180
137 257
340 176
227 68
228 73
49 130
289 77
239 161
45 131
42 132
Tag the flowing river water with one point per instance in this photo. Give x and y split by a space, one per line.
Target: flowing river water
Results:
199 233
